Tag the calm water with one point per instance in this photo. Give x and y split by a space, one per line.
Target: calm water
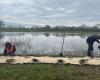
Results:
45 43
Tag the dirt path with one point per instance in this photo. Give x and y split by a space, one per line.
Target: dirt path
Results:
28 59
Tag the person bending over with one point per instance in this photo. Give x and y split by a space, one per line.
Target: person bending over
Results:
90 41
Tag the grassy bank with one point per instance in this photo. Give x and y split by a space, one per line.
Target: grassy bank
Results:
48 72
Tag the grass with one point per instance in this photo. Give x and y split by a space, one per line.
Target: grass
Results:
48 72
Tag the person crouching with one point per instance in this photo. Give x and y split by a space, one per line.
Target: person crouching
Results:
9 49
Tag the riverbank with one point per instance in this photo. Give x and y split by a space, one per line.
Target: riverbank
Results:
54 60
49 68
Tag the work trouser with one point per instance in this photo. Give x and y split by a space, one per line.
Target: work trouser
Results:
90 49
7 54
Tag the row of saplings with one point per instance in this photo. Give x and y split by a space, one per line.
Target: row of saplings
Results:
59 61
10 49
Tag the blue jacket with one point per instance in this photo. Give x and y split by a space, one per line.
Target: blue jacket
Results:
92 39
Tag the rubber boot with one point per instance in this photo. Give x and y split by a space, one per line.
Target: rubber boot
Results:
92 54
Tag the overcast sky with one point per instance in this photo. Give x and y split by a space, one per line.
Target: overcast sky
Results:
53 12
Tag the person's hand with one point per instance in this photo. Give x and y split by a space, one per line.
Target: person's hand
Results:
99 47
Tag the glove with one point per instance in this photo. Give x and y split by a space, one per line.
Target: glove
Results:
99 47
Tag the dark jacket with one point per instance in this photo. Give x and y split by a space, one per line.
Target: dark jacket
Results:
92 39
9 49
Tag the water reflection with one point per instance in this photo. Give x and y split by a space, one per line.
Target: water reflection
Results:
1 35
46 43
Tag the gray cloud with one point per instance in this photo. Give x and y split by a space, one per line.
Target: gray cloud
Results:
54 12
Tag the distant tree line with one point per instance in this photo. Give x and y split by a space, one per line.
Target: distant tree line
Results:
82 28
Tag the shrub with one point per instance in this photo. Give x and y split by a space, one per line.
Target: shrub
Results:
83 61
10 60
60 61
60 54
35 60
